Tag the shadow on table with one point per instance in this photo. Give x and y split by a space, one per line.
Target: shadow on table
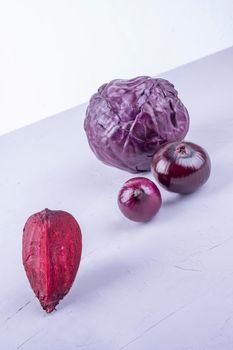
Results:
212 135
97 279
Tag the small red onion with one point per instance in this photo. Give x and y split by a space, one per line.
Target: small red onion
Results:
139 199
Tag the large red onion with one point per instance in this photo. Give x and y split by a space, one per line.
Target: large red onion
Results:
181 167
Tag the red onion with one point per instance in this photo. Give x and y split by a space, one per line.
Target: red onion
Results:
139 199
181 167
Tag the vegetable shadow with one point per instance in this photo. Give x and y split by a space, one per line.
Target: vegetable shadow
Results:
212 135
95 280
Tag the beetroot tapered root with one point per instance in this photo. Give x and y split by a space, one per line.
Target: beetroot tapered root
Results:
52 246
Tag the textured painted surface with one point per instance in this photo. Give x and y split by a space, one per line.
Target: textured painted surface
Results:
168 282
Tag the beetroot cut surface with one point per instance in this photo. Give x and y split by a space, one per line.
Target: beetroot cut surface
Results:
52 246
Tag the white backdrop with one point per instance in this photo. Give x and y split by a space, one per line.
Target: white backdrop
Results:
55 53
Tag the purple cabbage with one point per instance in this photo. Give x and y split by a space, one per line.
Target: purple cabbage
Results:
128 120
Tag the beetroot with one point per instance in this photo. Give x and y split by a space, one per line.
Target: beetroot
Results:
52 246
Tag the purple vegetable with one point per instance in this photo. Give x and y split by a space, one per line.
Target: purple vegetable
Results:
139 199
128 120
181 167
